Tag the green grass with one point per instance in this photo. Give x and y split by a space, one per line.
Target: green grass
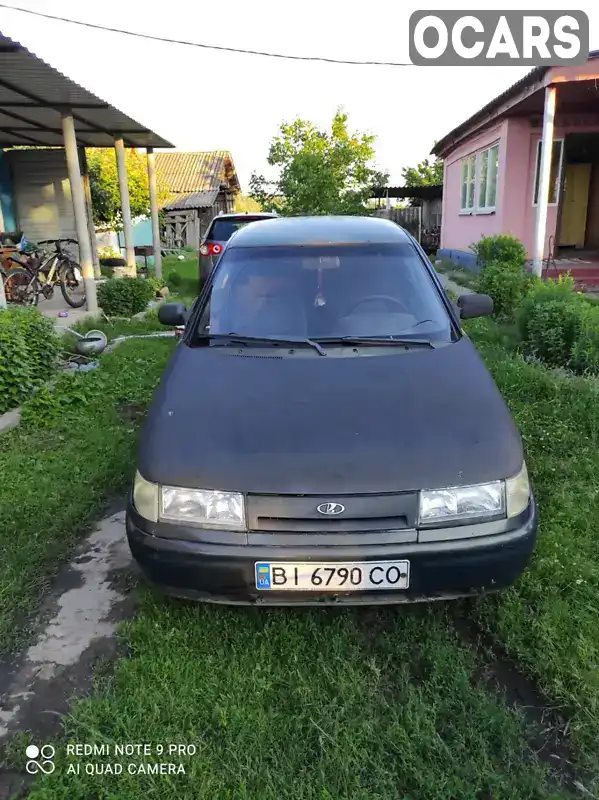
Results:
493 333
549 622
461 276
188 272
70 454
119 327
333 703
308 705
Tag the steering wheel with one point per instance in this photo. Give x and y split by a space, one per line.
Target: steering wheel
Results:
393 301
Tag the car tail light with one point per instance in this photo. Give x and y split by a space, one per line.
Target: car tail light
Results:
211 249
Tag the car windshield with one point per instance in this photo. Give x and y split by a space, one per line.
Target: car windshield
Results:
325 292
222 229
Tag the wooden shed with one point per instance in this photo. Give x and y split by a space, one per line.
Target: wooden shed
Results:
201 185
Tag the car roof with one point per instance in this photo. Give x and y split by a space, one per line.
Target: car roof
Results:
318 230
233 215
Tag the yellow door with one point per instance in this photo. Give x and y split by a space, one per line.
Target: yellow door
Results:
574 205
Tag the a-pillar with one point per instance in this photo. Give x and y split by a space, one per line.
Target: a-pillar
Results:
78 197
544 180
121 164
154 211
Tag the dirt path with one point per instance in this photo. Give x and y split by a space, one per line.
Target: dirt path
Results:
74 633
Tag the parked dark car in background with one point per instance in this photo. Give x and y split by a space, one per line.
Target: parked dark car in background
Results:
325 431
220 230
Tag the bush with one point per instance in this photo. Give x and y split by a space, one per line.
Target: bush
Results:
108 252
174 279
549 320
156 284
585 350
29 349
506 283
124 297
506 249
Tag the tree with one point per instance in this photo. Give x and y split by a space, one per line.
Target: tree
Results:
104 185
424 174
244 202
319 172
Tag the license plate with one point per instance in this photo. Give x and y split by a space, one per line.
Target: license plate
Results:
345 577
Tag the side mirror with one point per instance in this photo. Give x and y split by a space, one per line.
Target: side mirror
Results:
475 305
172 314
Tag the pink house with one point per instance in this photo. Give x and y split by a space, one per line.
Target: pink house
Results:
528 164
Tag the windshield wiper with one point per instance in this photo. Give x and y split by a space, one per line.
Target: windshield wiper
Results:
376 340
241 338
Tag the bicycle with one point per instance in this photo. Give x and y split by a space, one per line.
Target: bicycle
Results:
41 272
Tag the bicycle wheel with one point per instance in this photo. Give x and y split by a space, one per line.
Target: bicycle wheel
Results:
71 284
20 287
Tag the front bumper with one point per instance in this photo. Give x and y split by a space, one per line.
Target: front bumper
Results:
224 572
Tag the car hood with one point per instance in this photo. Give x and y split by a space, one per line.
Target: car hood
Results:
248 420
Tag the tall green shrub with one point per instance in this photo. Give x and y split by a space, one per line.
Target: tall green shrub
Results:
156 284
29 349
549 319
506 282
585 350
503 248
124 297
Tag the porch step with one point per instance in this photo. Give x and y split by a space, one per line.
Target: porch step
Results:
590 273
586 279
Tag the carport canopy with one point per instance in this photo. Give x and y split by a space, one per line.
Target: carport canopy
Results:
34 95
39 106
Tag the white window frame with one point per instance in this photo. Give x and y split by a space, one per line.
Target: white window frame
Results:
537 175
471 159
485 209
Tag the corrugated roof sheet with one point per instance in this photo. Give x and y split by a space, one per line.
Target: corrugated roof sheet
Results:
487 112
33 94
190 200
197 172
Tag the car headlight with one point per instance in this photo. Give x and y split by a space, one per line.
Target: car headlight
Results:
462 503
207 507
211 508
484 500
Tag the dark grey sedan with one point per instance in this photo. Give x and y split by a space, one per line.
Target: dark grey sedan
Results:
325 431
218 234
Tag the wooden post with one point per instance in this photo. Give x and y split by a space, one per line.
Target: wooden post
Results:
78 197
121 164
90 215
151 158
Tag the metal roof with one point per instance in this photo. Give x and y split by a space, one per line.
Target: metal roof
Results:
190 200
318 230
33 94
531 81
197 172
253 215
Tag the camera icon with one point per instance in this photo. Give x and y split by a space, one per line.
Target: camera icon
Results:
40 759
